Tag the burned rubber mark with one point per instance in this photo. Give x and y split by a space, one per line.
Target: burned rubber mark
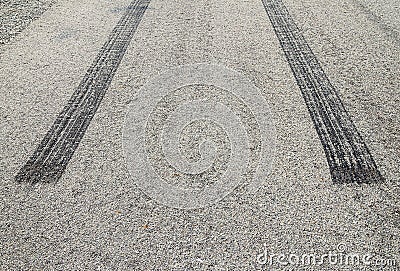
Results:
51 157
348 156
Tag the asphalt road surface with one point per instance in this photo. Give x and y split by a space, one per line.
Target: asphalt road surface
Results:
200 135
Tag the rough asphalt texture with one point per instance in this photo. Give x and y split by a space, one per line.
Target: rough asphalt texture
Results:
96 218
15 16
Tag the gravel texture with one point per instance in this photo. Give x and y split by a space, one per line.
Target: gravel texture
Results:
97 218
16 15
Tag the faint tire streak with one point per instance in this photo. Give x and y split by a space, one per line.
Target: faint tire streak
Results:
51 157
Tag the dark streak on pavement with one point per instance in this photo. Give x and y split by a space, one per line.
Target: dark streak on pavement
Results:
51 157
387 29
348 156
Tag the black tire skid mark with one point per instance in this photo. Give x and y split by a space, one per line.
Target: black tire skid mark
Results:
348 157
51 157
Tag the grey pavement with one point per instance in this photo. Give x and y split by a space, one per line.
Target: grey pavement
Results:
16 15
97 216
